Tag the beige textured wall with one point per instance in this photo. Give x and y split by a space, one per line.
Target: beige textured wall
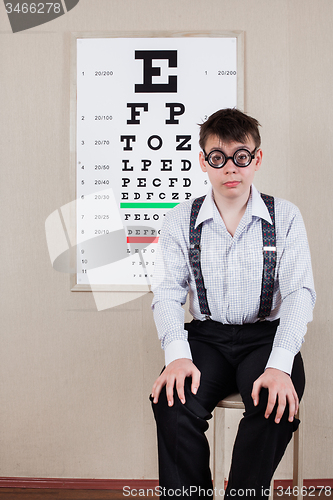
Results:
74 382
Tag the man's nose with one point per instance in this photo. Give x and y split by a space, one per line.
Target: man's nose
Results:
229 166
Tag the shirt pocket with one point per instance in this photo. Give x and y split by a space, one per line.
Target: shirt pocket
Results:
251 265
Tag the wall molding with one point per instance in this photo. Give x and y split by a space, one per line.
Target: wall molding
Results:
76 483
119 484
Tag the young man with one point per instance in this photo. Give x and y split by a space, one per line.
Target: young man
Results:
249 279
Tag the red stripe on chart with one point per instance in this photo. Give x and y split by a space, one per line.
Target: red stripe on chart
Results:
142 239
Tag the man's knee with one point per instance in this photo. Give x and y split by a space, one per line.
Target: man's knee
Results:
191 409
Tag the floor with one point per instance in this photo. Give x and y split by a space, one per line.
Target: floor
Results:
61 494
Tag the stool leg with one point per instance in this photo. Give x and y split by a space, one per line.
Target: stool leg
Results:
219 445
219 456
298 457
271 494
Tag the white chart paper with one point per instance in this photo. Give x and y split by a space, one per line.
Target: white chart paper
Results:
139 103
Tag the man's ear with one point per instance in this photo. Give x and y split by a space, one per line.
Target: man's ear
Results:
202 162
258 159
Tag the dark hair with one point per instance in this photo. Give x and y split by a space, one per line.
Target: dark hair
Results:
230 124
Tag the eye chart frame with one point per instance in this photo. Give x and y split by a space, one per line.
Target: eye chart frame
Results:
136 102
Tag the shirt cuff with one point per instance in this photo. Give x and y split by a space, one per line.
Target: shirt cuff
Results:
177 349
282 359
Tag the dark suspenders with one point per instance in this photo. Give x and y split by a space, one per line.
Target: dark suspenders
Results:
195 236
269 253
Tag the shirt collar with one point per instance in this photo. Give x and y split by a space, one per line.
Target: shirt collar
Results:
259 208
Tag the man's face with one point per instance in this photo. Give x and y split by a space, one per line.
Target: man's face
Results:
230 181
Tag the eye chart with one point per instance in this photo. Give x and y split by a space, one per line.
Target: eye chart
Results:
139 103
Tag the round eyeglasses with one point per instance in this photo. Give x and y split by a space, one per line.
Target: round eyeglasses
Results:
241 158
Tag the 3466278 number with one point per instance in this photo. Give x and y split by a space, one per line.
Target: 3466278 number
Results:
310 491
33 8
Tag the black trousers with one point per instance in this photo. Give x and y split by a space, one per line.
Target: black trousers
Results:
230 358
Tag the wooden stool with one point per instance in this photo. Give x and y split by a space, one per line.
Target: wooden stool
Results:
235 401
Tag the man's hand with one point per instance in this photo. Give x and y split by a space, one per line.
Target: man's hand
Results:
175 373
279 387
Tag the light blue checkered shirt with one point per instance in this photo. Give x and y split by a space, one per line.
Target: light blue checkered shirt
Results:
232 272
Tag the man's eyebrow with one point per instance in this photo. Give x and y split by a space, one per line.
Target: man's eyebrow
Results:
241 146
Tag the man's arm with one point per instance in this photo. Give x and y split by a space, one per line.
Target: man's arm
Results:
170 287
296 287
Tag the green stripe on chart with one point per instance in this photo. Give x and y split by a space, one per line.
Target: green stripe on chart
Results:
148 205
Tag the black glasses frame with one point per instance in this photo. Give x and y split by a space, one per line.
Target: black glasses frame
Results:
226 158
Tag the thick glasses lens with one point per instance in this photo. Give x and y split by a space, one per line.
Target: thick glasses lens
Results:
242 158
216 159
